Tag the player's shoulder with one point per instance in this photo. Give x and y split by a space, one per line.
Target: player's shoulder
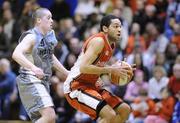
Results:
97 40
30 36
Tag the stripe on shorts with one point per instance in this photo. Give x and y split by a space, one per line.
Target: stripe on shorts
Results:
85 99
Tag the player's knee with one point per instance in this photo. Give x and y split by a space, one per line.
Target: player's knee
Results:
124 109
111 115
50 115
107 114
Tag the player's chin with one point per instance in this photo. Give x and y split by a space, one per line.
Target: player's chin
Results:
49 29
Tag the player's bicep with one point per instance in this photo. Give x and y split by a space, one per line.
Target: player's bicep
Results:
92 52
26 44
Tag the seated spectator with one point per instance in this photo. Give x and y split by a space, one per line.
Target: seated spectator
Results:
135 86
4 44
176 37
163 109
174 82
70 60
142 106
139 58
171 54
7 88
135 39
161 60
177 61
157 82
176 113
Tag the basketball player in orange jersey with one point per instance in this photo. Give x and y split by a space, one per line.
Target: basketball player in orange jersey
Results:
80 86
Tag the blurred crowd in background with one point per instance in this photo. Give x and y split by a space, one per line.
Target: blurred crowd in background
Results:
150 39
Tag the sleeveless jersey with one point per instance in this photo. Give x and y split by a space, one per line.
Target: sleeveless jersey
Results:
42 52
76 79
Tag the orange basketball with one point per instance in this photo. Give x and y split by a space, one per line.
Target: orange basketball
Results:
119 80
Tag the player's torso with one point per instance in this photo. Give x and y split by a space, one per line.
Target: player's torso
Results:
89 80
42 51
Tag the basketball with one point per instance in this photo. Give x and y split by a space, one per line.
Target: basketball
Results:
120 80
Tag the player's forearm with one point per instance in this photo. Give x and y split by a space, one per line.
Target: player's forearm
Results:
92 69
22 60
58 66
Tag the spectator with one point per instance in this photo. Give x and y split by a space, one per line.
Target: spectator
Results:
171 53
135 86
176 37
135 39
174 82
6 5
85 7
142 106
62 107
26 15
160 60
61 51
139 14
164 108
138 60
7 88
75 46
8 24
176 113
4 44
70 60
177 61
157 82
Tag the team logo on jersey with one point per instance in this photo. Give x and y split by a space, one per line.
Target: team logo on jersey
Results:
45 50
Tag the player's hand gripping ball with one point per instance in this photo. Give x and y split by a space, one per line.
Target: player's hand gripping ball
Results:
122 79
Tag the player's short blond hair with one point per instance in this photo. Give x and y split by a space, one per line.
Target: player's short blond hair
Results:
39 13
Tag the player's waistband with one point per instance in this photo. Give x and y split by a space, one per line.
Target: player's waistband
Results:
29 72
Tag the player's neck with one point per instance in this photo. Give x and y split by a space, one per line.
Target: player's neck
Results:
111 40
43 32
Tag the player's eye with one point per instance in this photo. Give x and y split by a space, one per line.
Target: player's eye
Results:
49 18
116 26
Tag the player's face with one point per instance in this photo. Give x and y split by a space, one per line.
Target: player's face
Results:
46 21
114 30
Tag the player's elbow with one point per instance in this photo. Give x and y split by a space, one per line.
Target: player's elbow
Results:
14 55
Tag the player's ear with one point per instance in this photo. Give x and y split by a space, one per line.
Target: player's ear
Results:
38 20
105 29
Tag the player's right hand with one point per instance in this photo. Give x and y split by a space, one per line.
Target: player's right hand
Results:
119 70
38 72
